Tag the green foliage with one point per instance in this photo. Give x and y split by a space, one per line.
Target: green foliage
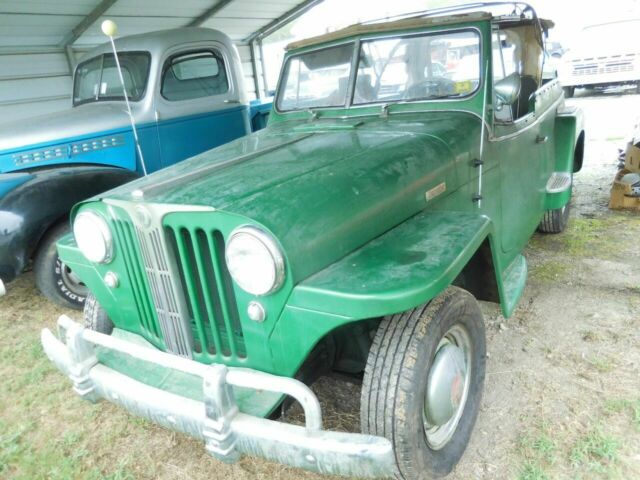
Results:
532 471
595 450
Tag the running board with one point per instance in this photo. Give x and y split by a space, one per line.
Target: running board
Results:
559 182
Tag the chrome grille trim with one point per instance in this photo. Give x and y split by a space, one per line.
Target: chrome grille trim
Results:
161 273
176 334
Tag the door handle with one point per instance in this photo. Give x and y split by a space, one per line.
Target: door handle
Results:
542 139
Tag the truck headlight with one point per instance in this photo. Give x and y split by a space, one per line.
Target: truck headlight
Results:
93 237
254 261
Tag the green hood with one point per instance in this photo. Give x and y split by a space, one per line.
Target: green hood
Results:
322 188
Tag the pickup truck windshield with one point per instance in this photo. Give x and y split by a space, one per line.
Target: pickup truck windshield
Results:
406 68
97 78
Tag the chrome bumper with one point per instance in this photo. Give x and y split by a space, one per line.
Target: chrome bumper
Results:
226 432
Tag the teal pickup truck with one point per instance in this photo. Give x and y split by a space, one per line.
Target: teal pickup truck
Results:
186 88
403 170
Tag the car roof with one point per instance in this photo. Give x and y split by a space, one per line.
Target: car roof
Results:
411 23
159 41
403 24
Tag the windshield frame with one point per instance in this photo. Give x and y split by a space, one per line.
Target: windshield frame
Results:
349 105
355 44
111 98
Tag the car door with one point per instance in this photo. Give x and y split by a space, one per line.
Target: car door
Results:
198 102
521 141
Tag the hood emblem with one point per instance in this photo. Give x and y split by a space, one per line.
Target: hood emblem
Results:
435 191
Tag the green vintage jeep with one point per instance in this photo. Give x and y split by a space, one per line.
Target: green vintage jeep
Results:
404 168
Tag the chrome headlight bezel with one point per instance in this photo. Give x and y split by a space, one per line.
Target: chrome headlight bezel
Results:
270 247
99 226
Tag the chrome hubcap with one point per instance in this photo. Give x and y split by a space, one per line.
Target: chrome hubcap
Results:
447 386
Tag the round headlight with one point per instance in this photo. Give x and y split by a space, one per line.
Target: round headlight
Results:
254 261
93 237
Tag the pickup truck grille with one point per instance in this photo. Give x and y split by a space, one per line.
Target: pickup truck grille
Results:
210 298
180 287
602 65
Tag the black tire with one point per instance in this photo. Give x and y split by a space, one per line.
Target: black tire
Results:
53 278
395 382
555 221
95 317
569 91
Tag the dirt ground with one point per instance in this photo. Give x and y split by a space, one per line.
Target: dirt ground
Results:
562 393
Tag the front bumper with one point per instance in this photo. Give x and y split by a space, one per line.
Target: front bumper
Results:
226 432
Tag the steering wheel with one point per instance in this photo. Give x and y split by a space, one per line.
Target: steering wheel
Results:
431 87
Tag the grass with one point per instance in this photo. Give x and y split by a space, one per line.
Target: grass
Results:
595 450
550 271
621 405
569 449
589 238
539 450
532 471
603 364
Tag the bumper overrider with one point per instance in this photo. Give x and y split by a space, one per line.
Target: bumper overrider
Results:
217 421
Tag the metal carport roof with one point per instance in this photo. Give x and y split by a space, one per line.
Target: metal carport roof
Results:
40 39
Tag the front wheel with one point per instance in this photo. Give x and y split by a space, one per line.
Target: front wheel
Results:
54 279
95 317
423 383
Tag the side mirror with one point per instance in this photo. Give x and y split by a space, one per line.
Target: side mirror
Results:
508 89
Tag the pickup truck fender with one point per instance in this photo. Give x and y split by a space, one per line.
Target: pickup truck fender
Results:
32 202
407 266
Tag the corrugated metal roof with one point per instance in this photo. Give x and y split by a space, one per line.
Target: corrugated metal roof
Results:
35 75
47 23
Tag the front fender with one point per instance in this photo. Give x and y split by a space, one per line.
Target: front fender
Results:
403 268
32 202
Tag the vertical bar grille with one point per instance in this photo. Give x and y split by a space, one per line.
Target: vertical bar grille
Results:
158 272
216 325
135 271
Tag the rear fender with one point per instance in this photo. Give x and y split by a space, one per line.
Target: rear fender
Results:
569 140
569 151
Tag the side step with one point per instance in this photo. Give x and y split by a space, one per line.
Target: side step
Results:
558 182
514 279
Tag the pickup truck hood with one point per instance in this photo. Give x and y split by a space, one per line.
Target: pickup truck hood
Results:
324 187
54 128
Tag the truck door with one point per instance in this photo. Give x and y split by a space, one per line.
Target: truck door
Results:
198 103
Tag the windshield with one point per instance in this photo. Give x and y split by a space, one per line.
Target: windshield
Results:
419 67
97 78
317 79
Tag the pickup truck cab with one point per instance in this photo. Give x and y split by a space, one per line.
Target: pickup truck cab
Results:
403 170
187 96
